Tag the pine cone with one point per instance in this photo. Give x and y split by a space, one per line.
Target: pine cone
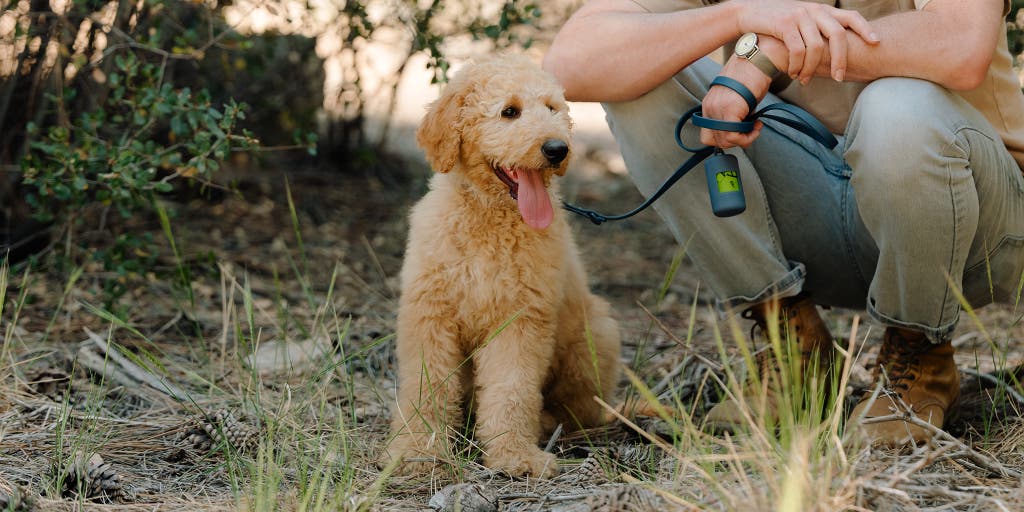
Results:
94 477
591 472
588 473
203 432
18 500
192 435
640 456
199 441
628 498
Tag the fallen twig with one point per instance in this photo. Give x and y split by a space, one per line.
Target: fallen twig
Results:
668 332
983 461
1005 386
131 374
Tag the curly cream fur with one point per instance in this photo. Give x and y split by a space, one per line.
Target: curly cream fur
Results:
492 308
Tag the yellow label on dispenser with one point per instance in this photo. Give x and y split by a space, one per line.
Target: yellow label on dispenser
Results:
728 181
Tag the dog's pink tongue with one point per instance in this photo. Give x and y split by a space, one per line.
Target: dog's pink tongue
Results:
534 202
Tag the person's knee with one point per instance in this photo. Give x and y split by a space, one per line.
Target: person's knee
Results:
897 136
897 105
899 116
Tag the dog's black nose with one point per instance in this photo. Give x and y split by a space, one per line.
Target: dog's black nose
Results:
554 150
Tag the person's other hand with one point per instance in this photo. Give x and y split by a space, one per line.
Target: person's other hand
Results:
807 29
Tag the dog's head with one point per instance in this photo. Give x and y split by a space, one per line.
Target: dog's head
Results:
502 119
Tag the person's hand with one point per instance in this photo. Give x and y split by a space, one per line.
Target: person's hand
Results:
807 29
725 104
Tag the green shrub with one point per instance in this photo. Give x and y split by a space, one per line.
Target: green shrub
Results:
145 135
106 106
91 120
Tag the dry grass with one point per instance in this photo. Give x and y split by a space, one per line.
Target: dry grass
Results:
140 381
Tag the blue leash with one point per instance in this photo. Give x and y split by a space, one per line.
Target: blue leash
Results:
798 119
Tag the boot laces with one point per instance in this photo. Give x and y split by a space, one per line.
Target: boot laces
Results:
764 357
785 317
898 358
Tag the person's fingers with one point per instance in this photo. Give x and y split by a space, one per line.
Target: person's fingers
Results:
795 44
835 33
706 137
721 139
744 140
855 22
714 138
726 140
815 48
837 49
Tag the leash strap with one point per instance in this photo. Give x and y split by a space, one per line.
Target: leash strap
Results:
798 119
690 163
738 88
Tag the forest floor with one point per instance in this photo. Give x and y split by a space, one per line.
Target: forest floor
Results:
177 395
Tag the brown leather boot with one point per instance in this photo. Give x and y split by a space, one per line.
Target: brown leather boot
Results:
801 329
917 374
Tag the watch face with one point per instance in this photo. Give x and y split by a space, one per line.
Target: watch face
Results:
746 44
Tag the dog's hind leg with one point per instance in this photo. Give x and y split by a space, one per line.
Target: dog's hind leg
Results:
588 366
510 370
432 377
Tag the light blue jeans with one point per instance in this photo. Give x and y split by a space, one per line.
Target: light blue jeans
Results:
919 193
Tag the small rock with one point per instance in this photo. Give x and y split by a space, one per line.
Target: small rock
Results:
464 498
274 357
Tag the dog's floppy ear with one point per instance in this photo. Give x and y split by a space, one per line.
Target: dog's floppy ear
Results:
440 133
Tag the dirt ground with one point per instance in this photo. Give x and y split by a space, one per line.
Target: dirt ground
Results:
323 277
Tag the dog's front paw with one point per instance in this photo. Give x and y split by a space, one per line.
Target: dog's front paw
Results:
405 460
417 468
534 462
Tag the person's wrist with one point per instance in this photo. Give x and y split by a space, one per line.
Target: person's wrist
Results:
738 11
746 72
776 52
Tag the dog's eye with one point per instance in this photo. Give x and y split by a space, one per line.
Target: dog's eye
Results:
510 112
552 109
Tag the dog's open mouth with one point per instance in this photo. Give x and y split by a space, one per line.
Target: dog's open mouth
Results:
527 187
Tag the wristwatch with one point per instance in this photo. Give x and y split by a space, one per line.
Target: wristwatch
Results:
746 48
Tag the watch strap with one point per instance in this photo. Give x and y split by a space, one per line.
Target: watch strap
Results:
780 80
779 83
763 63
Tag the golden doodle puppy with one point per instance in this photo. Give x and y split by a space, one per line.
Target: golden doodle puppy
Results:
495 311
